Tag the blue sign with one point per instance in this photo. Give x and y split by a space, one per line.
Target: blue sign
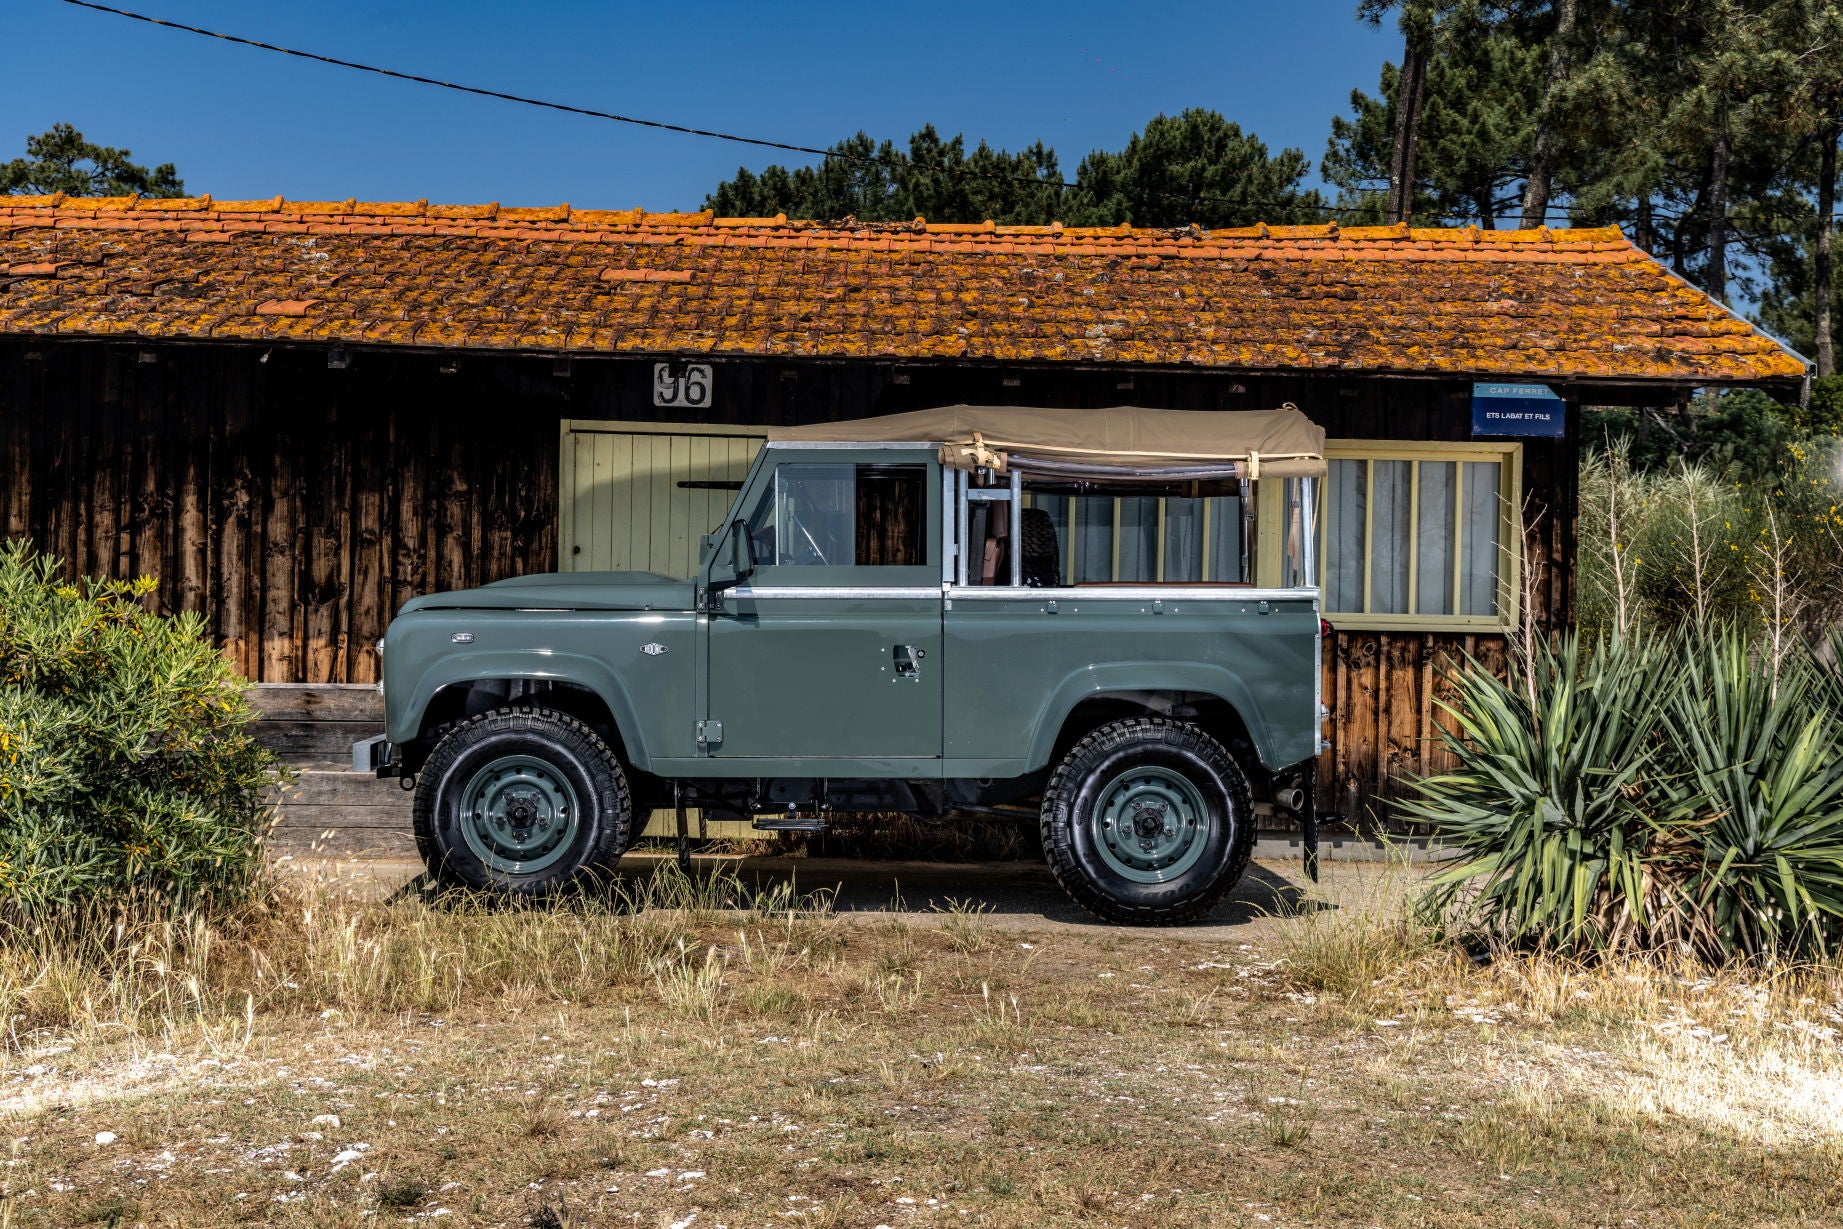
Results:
1517 409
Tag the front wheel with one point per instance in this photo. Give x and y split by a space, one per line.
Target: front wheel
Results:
522 801
1147 821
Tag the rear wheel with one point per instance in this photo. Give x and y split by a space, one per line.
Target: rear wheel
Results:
1148 822
523 801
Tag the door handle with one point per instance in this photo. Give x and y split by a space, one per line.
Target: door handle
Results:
906 656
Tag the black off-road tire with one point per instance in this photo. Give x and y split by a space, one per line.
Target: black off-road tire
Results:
582 767
1087 775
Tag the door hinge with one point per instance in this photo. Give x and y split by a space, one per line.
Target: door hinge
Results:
710 733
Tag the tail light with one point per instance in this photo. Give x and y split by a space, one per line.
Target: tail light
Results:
1325 630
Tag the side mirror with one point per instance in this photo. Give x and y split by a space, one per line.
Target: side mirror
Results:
741 557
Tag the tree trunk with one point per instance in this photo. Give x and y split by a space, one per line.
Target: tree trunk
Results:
1542 157
1718 206
1409 95
1826 232
1643 234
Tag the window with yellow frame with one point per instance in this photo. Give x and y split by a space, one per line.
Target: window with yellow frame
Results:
1412 535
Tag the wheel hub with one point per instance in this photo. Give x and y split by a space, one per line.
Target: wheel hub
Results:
1149 820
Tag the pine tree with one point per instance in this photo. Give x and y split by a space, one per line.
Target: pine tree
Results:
1816 114
1545 147
1695 91
1476 132
874 182
1195 167
62 161
1430 30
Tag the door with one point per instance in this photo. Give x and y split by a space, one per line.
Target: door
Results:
640 496
832 649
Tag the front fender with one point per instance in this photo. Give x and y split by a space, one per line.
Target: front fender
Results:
405 719
1271 744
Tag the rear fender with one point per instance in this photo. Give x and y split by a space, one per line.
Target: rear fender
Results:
1132 676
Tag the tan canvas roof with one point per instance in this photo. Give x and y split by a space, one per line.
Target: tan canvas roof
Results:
1245 443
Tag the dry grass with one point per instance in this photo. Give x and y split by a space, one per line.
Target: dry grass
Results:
686 1049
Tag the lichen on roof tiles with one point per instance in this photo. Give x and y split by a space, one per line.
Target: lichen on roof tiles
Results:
1561 303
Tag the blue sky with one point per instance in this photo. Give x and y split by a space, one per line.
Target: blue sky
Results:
244 123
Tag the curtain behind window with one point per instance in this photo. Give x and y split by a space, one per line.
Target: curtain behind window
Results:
1451 513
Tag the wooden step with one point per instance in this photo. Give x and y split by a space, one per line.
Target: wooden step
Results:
318 702
298 741
342 843
344 810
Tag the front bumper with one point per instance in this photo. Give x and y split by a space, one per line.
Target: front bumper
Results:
373 755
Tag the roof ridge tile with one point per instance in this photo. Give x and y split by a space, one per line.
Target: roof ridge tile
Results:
173 204
1370 234
1327 230
702 218
463 213
273 205
97 204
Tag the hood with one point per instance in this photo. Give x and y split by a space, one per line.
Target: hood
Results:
567 591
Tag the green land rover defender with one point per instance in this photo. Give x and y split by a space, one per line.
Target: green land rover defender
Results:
896 616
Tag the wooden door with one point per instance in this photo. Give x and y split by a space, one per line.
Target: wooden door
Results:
639 496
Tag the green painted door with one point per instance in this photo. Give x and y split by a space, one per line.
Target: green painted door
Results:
832 649
796 677
639 496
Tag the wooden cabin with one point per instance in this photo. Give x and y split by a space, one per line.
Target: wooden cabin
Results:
299 415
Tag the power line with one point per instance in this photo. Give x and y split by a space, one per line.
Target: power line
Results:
788 146
590 112
662 125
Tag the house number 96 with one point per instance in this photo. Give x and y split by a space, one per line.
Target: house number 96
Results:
689 387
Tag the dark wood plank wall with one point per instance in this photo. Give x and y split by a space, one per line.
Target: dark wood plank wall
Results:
298 506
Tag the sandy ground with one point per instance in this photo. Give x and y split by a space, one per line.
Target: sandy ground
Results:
1013 895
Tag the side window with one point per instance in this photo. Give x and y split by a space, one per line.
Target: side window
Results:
1143 539
837 514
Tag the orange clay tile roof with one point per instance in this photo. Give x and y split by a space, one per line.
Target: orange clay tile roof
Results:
1546 303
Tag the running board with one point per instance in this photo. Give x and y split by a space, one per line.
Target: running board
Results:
801 824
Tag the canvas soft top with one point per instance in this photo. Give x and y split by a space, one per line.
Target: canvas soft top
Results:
1120 442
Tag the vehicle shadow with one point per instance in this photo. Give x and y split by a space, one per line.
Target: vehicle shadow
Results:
1006 891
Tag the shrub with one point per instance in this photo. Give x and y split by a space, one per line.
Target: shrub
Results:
1696 544
126 771
1678 791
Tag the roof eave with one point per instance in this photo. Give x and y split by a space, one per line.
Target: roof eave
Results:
1685 379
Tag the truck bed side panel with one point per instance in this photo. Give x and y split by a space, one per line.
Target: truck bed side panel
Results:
1017 665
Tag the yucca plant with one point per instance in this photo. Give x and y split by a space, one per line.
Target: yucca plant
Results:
1760 750
1547 813
126 770
1642 792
